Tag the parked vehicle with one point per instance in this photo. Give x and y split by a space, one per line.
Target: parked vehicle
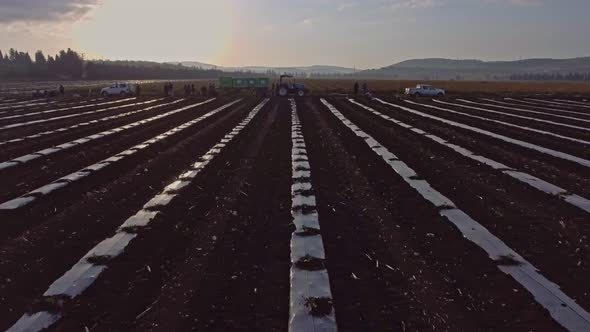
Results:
118 89
425 90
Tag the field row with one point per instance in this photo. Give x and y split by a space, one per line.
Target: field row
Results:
303 214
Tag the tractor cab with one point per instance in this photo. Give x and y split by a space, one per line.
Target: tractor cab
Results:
287 87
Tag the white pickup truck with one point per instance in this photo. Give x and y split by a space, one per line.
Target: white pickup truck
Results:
425 90
118 89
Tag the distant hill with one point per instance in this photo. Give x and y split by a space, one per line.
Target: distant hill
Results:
444 69
316 69
195 64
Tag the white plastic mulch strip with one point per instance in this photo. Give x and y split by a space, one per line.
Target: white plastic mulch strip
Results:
56 104
27 104
547 151
508 124
71 108
86 271
575 102
88 123
533 181
535 106
561 307
310 283
32 196
22 124
555 103
524 110
62 147
517 116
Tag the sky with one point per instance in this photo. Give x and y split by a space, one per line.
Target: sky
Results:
362 34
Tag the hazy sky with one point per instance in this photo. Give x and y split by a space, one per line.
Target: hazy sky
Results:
365 34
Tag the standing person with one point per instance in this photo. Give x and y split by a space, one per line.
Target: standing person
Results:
166 89
204 91
137 90
356 89
171 89
364 88
62 90
193 89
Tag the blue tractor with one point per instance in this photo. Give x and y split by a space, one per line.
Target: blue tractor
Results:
286 89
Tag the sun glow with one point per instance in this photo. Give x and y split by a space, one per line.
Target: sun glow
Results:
157 30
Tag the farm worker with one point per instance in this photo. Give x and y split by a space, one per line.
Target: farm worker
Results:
137 89
193 89
171 89
356 88
365 89
166 89
61 89
204 91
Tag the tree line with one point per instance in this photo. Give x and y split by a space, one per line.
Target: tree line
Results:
551 77
15 64
71 65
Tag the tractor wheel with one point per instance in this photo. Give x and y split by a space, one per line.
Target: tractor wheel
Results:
283 92
300 93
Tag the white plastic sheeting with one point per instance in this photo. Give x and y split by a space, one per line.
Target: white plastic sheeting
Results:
508 124
528 179
517 116
22 124
306 285
543 101
517 105
561 307
523 110
87 123
71 108
83 274
61 182
45 152
531 146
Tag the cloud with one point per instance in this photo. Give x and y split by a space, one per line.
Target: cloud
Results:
308 22
345 6
12 11
518 2
414 4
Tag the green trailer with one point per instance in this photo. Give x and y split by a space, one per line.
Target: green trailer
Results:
258 84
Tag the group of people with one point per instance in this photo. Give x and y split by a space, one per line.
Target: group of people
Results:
169 89
61 91
190 90
364 89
